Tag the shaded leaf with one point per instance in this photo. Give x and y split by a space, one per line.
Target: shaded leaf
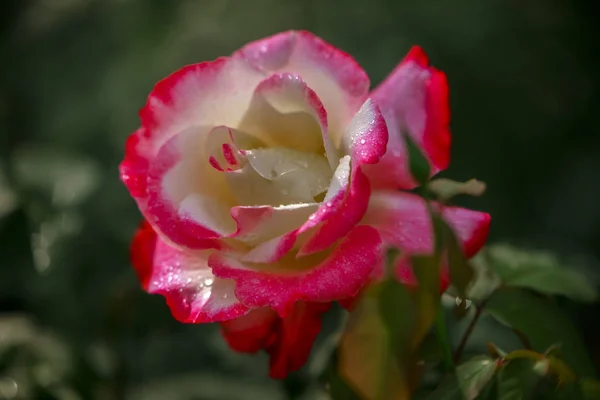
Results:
542 323
419 166
397 313
461 273
427 295
474 375
517 380
485 280
449 389
470 379
495 351
365 360
539 271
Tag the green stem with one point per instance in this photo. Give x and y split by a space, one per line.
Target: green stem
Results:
442 335
465 338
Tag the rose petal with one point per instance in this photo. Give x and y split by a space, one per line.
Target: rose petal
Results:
339 276
336 77
287 340
414 101
206 94
279 176
273 230
295 337
251 332
366 136
285 112
344 219
365 140
403 221
276 247
187 199
192 292
471 227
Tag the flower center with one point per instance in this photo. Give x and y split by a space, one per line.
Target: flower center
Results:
279 176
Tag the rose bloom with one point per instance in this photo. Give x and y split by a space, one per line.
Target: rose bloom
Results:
268 181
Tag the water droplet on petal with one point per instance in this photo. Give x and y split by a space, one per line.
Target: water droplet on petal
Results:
209 281
363 141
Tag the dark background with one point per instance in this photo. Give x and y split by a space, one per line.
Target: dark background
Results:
525 106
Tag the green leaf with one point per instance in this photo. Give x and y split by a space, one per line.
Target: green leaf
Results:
542 323
539 271
517 380
485 280
474 375
461 273
446 189
495 351
419 166
468 382
397 313
427 296
449 389
365 360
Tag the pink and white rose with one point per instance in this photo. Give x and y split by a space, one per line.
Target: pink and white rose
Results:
268 181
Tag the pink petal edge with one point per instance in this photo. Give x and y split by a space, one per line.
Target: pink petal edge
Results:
339 276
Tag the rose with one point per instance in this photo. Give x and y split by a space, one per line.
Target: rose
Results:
268 183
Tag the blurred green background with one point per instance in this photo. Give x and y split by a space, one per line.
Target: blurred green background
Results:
524 82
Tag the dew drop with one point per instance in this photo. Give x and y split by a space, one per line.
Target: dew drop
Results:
363 141
209 281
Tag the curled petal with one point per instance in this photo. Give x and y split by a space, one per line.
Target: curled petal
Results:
414 101
285 112
344 219
365 141
338 80
366 136
339 276
192 292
